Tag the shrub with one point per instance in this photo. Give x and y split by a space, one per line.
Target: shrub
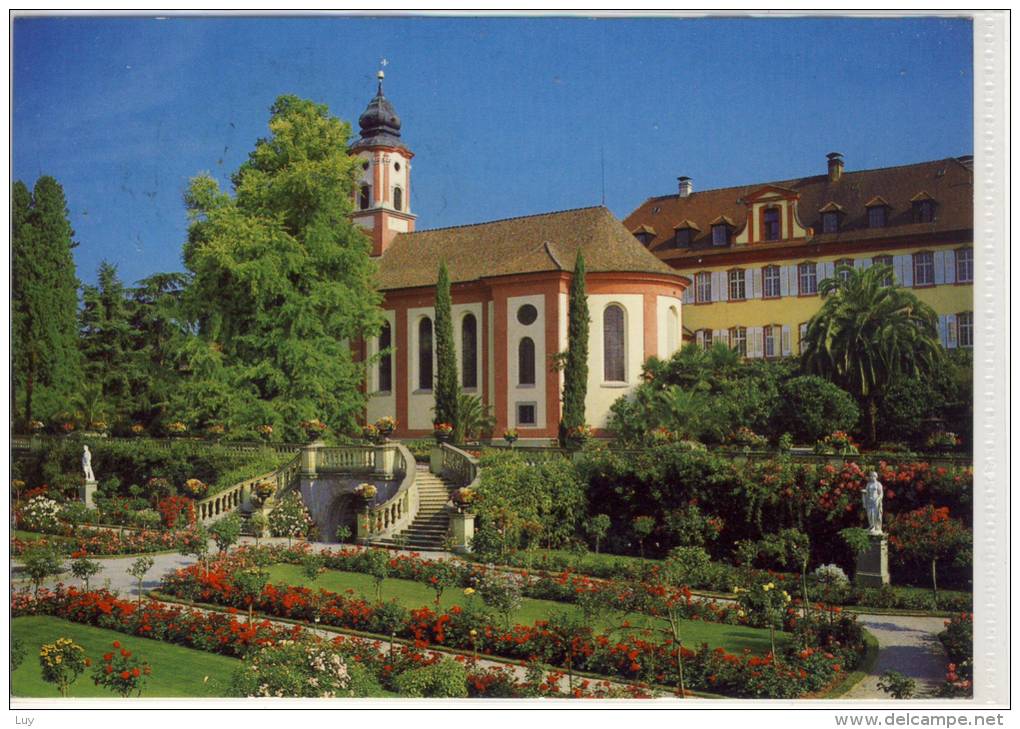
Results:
146 519
177 511
812 407
18 653
40 514
226 532
897 685
75 512
293 669
289 518
446 679
121 672
62 662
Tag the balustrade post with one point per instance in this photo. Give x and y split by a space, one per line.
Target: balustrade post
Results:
384 457
436 459
310 459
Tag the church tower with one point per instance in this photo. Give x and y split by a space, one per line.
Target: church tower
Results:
382 204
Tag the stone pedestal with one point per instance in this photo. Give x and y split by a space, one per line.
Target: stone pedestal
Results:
436 460
462 530
87 492
385 457
309 458
873 562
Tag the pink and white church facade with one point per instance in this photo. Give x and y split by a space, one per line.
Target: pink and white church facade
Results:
510 282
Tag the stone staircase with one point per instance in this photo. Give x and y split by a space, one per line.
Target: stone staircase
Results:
430 525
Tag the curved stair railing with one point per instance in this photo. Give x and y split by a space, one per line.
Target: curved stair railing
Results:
381 521
232 498
458 467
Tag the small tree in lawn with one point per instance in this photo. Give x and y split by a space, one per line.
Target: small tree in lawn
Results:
643 527
290 518
597 528
226 532
250 584
259 523
313 564
121 672
571 632
40 562
377 565
138 569
439 575
85 569
930 534
792 548
62 662
575 367
200 547
685 566
503 593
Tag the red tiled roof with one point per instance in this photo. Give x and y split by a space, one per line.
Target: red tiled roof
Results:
949 182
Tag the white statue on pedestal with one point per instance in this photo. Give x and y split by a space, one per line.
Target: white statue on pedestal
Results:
872 493
86 465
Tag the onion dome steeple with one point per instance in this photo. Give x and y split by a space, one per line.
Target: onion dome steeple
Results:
380 125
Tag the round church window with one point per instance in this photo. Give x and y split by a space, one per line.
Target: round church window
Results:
527 314
396 166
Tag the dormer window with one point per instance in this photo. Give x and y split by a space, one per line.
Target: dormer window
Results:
684 234
645 234
770 224
832 216
923 208
878 212
722 227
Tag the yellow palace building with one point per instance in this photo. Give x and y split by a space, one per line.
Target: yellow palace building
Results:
755 254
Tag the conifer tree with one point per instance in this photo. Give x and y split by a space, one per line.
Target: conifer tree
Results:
447 387
575 371
44 297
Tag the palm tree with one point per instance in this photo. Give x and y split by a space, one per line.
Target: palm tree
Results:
867 333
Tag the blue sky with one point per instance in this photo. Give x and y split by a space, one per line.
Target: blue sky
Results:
506 116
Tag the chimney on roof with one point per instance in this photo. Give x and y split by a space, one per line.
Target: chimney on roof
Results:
835 165
686 186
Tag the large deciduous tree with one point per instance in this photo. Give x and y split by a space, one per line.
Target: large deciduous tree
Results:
575 371
867 333
44 297
283 281
447 387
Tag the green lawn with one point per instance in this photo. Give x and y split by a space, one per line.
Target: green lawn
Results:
410 594
176 671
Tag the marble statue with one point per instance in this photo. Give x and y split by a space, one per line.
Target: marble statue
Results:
872 493
86 464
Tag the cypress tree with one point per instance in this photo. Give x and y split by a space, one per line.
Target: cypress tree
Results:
575 371
44 296
447 387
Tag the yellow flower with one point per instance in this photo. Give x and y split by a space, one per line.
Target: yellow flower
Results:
469 591
741 613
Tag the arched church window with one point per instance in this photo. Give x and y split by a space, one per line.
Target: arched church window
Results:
386 360
613 344
526 362
398 198
365 198
469 351
425 354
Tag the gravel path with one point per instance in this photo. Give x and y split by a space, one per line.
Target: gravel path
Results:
907 644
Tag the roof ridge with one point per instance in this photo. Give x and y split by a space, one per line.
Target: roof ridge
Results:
808 177
513 217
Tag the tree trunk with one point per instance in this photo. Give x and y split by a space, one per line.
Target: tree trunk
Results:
934 586
872 408
680 668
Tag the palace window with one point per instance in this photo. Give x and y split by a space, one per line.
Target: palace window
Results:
738 340
770 224
703 287
613 344
673 330
365 198
924 268
738 288
706 338
877 216
469 352
801 336
830 222
964 265
526 413
807 278
385 360
425 354
526 362
772 336
770 279
924 211
884 261
720 234
398 198
844 267
965 329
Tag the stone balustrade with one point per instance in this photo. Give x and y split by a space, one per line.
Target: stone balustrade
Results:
396 513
